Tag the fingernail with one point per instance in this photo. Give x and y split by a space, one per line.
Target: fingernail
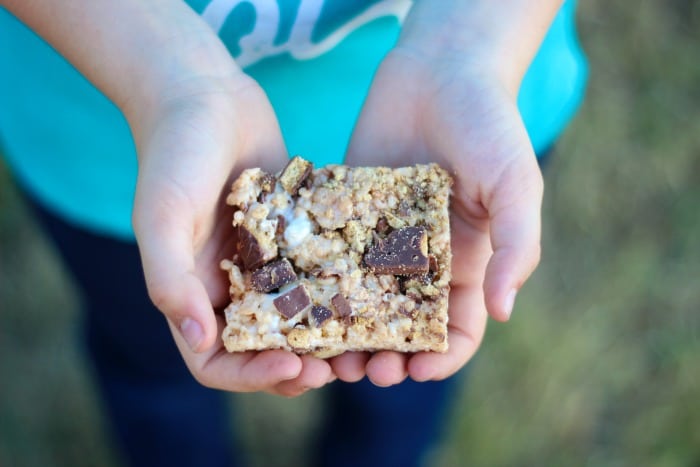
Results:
510 301
192 332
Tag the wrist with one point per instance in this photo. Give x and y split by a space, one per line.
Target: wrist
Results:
496 40
177 88
191 68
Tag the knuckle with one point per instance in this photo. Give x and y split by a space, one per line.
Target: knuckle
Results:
209 380
203 378
159 295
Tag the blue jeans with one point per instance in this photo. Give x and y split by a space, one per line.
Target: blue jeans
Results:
162 416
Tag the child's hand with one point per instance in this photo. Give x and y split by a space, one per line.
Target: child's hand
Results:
197 120
463 119
447 94
205 133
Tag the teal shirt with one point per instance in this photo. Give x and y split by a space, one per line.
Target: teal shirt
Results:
72 149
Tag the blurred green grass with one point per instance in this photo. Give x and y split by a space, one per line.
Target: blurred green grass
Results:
599 365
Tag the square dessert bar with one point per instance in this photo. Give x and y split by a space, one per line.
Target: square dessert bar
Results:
339 259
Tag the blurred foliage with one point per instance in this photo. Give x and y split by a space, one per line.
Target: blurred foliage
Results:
599 365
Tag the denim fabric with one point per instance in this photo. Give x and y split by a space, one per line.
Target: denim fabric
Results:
162 416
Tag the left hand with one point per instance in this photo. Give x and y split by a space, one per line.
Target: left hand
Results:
423 110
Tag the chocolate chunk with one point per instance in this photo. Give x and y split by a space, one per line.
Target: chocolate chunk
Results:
248 248
319 315
294 174
267 182
416 280
292 302
403 252
341 305
383 225
273 276
433 265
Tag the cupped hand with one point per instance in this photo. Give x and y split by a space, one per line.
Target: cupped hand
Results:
419 110
205 131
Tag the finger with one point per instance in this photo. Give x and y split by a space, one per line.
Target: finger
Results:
238 371
222 245
315 373
387 368
515 212
467 310
375 143
350 366
178 199
166 247
173 215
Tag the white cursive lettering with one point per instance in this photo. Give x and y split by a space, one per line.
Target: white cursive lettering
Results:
259 43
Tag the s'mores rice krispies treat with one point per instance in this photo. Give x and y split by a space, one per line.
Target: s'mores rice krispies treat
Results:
339 259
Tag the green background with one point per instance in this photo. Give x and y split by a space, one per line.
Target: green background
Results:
600 363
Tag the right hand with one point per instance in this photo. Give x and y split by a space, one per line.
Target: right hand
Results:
207 132
197 121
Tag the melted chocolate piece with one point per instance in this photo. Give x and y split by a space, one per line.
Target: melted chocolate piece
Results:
294 174
403 252
341 305
248 249
319 315
292 302
273 276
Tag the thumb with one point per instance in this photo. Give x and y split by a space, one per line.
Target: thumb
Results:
202 136
515 229
165 238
